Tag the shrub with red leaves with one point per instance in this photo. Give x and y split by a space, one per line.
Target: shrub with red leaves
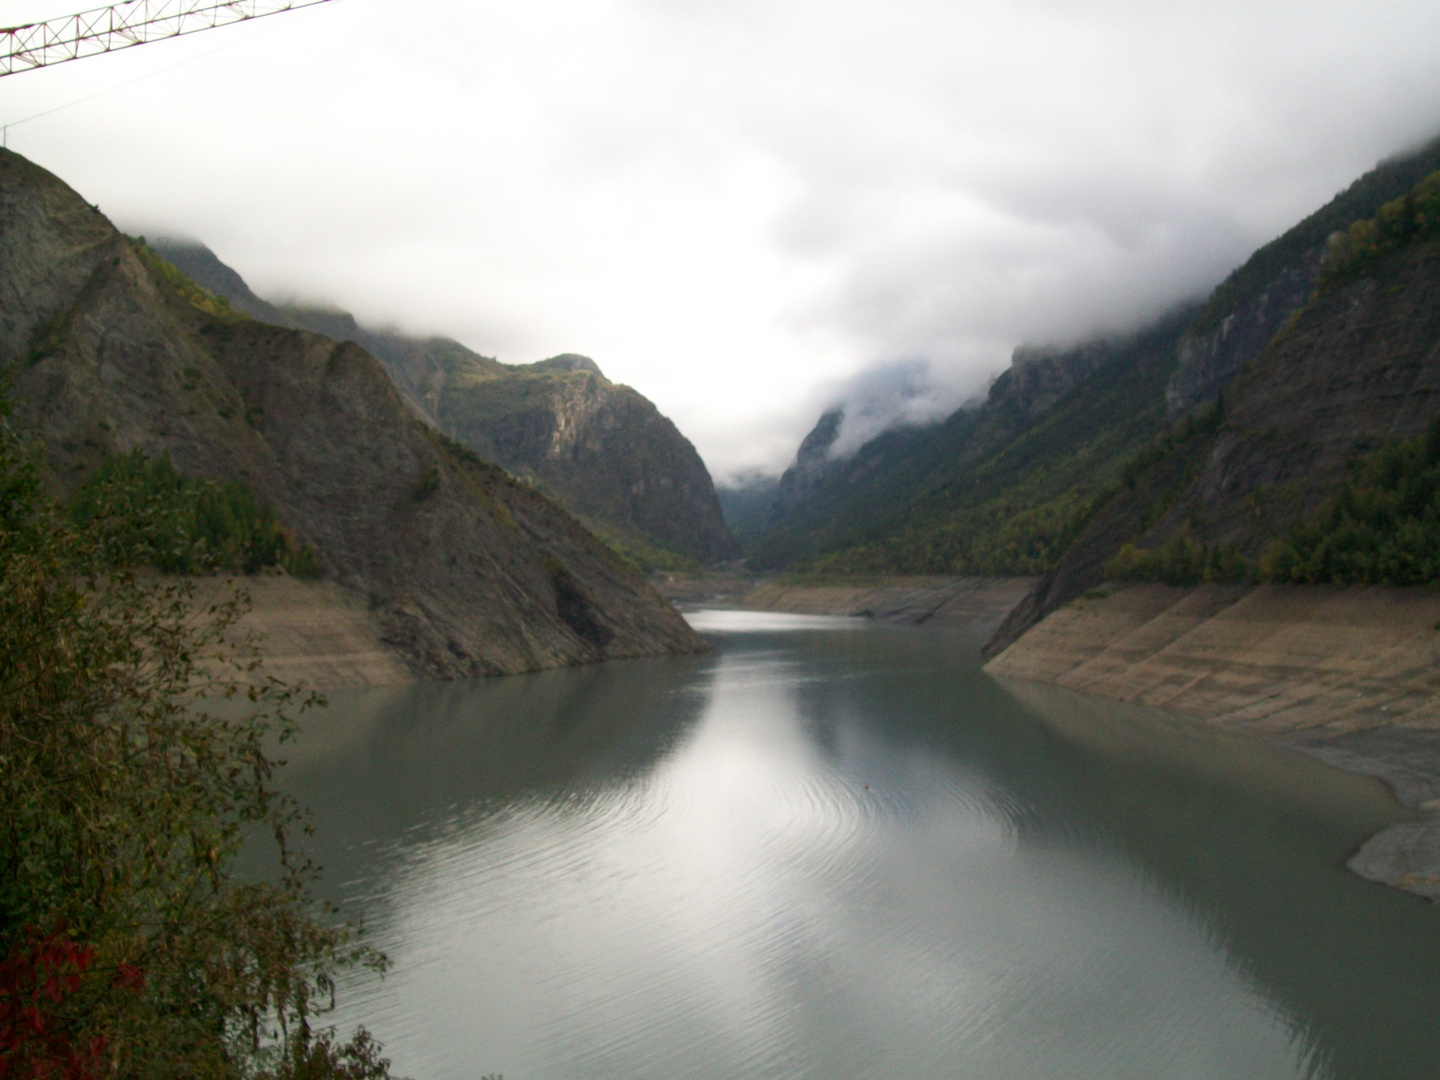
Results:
38 1037
131 776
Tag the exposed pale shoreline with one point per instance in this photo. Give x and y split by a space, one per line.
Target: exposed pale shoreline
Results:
1349 676
325 636
316 633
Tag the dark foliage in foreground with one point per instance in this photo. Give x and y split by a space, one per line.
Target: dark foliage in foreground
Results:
133 762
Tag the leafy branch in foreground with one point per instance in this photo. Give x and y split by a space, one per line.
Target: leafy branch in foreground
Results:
133 765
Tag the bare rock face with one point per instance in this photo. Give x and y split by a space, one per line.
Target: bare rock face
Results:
601 449
1206 362
1039 377
1359 368
469 572
1256 301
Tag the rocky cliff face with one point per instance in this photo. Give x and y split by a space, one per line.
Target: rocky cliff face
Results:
603 450
1257 300
1358 368
1040 377
1208 360
468 572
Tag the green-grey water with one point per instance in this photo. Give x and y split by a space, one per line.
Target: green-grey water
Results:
831 851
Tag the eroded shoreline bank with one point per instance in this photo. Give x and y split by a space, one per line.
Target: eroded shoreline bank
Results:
327 637
1349 676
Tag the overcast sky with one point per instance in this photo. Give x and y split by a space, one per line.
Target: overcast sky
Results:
743 208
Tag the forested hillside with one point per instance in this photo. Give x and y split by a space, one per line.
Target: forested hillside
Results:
999 489
1007 487
1320 463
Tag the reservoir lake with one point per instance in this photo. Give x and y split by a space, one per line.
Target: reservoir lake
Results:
830 849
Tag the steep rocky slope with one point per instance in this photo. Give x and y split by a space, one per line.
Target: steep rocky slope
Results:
1003 488
465 571
1355 370
602 449
1249 307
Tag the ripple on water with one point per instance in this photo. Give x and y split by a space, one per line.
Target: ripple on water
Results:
776 895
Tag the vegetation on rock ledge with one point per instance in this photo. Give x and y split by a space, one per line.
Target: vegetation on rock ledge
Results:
1381 528
186 526
1413 218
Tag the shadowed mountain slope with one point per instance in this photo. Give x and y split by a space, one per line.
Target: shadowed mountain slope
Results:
1006 486
601 449
996 489
1354 372
468 573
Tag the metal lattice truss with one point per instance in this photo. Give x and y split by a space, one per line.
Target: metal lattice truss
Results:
134 22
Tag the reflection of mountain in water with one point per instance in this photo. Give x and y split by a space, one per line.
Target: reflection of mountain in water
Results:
1247 840
427 753
1250 838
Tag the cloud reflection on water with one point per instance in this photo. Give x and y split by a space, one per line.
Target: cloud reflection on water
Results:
842 854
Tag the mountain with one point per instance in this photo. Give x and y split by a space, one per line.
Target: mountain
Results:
747 502
110 349
1008 486
1253 303
1302 471
601 449
997 488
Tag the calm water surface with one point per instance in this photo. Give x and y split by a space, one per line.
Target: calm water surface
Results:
833 851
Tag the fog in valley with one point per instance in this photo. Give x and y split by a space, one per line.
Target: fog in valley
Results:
748 211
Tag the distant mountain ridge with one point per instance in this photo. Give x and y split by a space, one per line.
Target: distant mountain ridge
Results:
600 448
998 488
1008 486
110 350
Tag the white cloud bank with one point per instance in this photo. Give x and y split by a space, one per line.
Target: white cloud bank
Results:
737 206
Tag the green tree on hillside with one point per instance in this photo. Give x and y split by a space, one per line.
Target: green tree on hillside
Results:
184 526
1381 528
